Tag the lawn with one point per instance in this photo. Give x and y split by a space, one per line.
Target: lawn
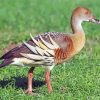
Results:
77 79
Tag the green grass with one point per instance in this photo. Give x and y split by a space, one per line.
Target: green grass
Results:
77 79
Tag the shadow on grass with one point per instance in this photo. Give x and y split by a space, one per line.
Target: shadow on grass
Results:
21 82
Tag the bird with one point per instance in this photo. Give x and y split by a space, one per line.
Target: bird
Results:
50 48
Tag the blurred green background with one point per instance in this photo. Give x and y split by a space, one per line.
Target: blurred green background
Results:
77 79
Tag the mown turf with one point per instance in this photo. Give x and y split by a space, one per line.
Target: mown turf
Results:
77 79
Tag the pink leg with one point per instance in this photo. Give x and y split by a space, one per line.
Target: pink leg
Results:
47 79
30 76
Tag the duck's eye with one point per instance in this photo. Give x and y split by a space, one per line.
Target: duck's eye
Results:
86 12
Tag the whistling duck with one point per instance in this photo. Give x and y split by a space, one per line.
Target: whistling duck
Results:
51 48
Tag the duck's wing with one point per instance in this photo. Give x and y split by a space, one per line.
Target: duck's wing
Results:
51 46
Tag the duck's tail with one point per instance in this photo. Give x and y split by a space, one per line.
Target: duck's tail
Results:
5 62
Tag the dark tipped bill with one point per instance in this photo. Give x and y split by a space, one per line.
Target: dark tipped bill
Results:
95 21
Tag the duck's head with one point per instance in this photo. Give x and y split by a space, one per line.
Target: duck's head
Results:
82 14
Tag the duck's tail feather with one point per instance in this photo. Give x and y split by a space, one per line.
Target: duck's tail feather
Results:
5 62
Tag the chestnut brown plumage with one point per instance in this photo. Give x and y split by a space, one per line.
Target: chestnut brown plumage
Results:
51 48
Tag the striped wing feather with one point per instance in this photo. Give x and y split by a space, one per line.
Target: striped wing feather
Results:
58 46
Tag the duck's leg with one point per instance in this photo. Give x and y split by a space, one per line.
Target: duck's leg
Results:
30 76
47 79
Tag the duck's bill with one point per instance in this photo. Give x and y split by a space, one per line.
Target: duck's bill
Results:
95 21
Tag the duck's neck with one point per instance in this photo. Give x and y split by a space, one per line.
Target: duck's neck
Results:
78 34
76 26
